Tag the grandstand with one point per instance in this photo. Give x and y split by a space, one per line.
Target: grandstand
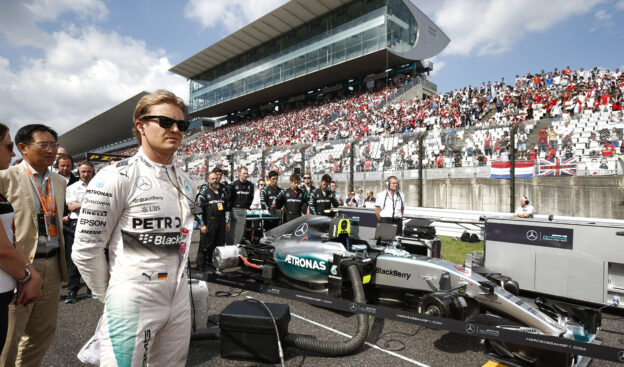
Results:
368 126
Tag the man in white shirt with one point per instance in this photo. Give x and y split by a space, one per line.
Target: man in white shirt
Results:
390 204
524 210
73 198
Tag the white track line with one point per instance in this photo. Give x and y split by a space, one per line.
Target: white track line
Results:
367 343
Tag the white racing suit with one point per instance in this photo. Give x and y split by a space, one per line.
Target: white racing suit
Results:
133 208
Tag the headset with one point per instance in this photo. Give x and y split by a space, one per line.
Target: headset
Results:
388 182
526 199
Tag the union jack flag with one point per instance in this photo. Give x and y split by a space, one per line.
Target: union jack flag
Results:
557 167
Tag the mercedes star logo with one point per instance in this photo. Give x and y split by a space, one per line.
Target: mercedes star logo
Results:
301 230
532 235
353 307
621 355
143 183
470 328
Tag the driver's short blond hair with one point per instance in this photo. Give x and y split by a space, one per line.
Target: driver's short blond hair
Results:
146 102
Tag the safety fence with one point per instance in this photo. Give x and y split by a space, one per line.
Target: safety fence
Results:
555 160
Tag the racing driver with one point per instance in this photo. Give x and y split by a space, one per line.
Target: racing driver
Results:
140 209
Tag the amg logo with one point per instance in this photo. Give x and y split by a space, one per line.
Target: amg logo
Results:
165 239
95 213
392 273
100 193
93 222
305 263
156 223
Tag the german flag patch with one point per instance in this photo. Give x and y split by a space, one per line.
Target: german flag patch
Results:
162 276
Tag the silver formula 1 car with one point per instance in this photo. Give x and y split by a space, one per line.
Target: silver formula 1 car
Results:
308 254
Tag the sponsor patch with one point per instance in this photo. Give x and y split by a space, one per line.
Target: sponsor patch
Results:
140 200
156 223
143 183
393 273
95 213
93 222
306 263
96 202
100 193
170 240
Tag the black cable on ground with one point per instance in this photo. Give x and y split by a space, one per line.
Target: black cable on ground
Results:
230 293
386 343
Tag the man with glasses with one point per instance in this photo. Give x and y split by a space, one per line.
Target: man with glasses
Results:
307 186
37 195
142 209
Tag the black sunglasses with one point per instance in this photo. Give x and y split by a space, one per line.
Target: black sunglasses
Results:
166 122
306 178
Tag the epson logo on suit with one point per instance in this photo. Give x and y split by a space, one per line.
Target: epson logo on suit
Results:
93 222
95 213
156 223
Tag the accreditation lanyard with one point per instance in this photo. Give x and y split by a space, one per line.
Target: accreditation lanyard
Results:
48 203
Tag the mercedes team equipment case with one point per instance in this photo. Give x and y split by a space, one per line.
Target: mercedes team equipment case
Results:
419 228
247 330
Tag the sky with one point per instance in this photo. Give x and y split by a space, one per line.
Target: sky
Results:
63 62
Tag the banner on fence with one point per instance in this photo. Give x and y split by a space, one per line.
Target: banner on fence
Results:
524 169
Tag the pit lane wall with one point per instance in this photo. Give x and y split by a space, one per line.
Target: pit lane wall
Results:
581 196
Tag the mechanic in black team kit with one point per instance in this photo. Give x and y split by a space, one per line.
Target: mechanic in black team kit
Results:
322 198
213 221
241 192
293 200
267 196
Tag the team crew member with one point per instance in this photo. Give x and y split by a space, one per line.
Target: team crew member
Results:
307 184
213 221
293 200
267 197
141 209
222 185
241 192
322 198
390 205
525 210
73 199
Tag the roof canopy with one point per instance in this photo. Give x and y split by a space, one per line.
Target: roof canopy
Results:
281 20
109 127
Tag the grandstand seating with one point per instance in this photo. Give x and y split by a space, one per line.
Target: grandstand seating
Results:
330 126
